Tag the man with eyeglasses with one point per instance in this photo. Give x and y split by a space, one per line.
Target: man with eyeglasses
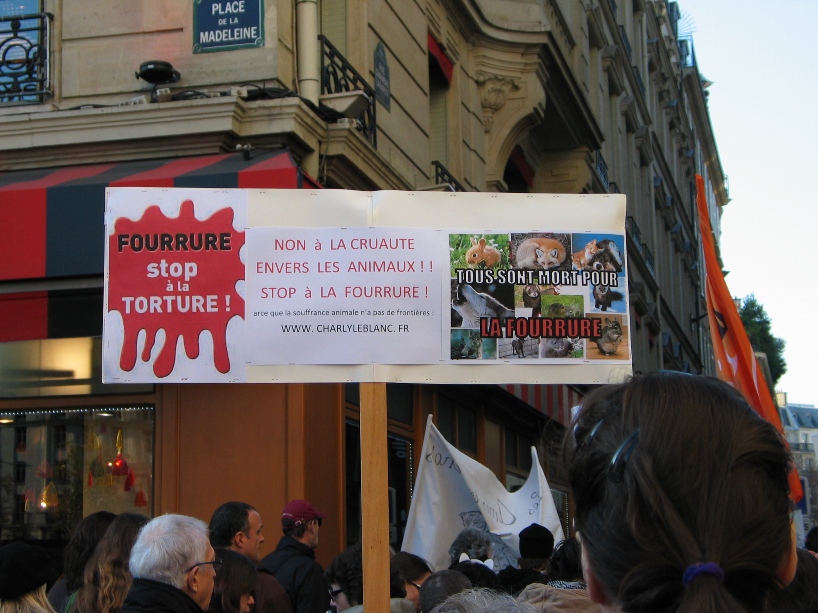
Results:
173 566
293 561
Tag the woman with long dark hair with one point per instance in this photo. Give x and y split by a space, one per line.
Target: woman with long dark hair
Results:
234 584
107 578
79 549
682 498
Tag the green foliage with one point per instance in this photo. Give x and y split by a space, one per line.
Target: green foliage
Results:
759 328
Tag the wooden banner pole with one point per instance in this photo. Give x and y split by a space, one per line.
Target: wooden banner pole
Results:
374 496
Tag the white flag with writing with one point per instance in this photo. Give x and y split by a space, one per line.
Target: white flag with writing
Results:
454 492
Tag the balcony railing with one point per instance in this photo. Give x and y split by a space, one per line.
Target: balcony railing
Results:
633 229
338 75
443 176
627 42
649 259
24 55
687 52
802 446
601 169
638 75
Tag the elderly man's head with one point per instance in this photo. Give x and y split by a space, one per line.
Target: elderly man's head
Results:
174 549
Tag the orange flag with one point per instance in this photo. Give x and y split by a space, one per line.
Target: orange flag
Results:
735 361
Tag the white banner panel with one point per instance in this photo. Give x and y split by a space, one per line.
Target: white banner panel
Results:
331 285
454 492
343 296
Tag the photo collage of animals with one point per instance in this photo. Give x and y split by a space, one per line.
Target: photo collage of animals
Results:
485 274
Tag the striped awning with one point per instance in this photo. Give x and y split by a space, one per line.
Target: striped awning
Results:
51 220
52 228
555 401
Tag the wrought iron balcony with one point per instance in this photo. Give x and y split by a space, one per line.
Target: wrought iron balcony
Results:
638 75
601 169
338 75
627 42
687 52
443 176
24 55
648 255
633 230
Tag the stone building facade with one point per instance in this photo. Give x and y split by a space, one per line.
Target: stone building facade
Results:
565 96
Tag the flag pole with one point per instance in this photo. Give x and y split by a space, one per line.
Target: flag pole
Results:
374 496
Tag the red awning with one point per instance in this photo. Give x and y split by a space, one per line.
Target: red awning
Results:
52 225
51 220
555 401
436 51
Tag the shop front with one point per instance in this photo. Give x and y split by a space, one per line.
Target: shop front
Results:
71 445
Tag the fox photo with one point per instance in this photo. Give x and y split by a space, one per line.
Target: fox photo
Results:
541 251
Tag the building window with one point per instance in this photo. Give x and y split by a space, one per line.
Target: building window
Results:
457 424
61 464
334 23
440 76
518 458
400 459
518 174
23 52
56 367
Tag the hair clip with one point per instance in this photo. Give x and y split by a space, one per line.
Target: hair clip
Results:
588 439
621 456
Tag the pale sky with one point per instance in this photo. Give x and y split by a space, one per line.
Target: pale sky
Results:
760 56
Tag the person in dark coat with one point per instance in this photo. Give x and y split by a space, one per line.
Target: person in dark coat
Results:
536 545
237 526
25 571
173 566
293 561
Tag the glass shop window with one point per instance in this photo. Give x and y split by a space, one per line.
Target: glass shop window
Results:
57 367
59 465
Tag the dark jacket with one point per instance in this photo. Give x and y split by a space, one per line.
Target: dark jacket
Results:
514 580
270 597
294 565
148 596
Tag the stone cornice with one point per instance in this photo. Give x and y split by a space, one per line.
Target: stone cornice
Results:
191 127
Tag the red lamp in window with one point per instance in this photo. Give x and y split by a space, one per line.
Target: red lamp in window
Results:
119 465
140 500
129 481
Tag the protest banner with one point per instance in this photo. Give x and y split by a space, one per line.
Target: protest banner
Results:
453 492
292 285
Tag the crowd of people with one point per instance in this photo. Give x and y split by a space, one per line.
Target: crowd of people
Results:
681 503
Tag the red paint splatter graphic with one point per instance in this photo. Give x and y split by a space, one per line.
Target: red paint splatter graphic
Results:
178 275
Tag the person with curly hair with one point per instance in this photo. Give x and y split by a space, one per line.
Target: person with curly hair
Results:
107 578
79 549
